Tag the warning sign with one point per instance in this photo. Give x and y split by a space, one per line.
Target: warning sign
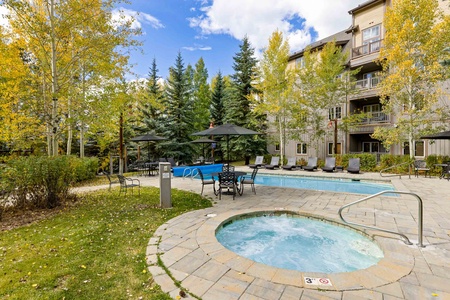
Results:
317 281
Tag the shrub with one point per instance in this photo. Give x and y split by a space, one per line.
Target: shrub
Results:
84 168
41 182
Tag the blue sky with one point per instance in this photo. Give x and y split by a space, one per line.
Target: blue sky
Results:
213 29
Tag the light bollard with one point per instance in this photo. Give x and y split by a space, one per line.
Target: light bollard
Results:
165 196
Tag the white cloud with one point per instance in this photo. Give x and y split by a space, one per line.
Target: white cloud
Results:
197 47
259 18
138 18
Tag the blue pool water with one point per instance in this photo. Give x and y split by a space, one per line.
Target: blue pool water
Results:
323 184
298 243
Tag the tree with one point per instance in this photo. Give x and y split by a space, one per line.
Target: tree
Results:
322 84
67 42
417 33
178 113
201 96
217 107
239 104
276 83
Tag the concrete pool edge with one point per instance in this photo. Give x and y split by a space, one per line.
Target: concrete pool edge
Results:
398 260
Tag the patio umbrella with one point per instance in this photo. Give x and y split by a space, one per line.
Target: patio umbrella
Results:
227 130
148 138
445 135
203 141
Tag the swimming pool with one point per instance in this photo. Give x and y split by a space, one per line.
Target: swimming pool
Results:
294 242
324 184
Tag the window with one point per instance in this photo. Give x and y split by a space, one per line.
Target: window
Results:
277 147
371 147
302 148
300 62
334 113
419 148
338 148
406 148
371 39
370 80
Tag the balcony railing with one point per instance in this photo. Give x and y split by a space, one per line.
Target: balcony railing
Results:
368 83
375 117
366 49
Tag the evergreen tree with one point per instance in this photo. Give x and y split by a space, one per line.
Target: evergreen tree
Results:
239 111
150 109
178 113
201 96
217 109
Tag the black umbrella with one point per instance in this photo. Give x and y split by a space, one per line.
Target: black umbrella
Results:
203 141
148 138
445 135
227 130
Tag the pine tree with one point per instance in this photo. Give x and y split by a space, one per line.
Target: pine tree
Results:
217 109
178 113
239 110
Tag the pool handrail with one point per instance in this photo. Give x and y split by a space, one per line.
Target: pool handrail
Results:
186 174
406 240
394 166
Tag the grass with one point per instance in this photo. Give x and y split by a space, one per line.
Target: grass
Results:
93 250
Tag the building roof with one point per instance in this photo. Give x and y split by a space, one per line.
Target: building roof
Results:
364 5
341 38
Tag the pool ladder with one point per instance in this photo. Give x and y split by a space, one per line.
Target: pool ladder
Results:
190 172
405 238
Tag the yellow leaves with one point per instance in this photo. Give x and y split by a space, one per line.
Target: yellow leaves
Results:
144 271
83 266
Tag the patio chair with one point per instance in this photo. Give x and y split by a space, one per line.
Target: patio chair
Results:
228 168
312 164
291 164
207 181
111 181
330 164
247 180
447 170
258 162
421 166
227 181
128 183
353 165
274 163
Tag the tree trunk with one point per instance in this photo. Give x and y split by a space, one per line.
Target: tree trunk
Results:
54 115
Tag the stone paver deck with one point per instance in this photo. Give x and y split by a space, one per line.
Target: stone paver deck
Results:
201 265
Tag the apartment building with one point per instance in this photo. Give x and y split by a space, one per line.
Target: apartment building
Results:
363 40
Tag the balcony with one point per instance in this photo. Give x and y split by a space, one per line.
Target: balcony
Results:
375 117
366 49
368 83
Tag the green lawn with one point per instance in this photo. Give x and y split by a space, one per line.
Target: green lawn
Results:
95 250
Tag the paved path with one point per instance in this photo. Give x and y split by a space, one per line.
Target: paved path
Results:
189 250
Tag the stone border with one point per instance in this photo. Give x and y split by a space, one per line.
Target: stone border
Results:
398 260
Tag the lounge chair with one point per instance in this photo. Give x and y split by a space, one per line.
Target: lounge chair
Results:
330 164
172 162
258 162
247 180
421 166
291 164
274 163
353 165
312 164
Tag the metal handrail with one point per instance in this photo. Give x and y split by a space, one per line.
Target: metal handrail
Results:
394 166
406 240
188 173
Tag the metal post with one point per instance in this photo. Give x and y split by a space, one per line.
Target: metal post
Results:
165 196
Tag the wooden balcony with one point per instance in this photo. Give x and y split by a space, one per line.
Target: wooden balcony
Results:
366 49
